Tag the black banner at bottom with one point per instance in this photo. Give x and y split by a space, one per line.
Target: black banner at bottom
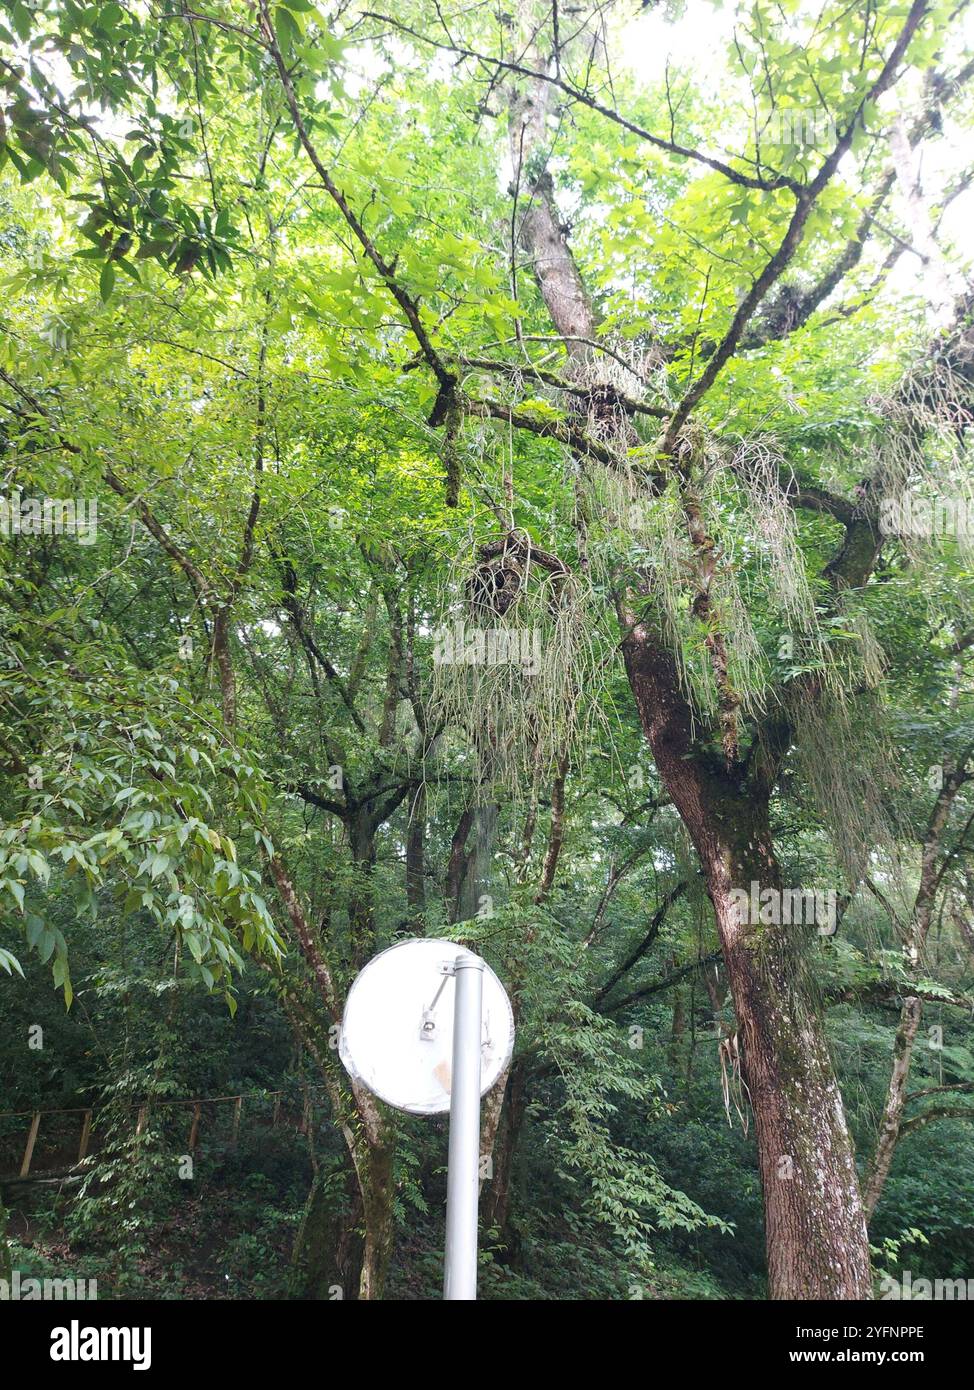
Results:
182 1338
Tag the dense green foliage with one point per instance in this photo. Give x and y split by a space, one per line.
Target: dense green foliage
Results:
262 302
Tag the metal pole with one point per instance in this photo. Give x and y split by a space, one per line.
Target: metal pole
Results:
463 1173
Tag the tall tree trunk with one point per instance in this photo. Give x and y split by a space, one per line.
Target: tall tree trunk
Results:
456 868
361 914
815 1228
678 1024
326 1262
368 1130
224 664
416 856
475 883
370 1134
498 1193
377 1196
911 1009
814 1223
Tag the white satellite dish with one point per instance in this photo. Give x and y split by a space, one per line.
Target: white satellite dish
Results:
397 1029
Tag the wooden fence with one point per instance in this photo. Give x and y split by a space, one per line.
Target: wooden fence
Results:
142 1109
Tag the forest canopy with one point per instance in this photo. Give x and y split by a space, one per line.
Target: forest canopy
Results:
503 474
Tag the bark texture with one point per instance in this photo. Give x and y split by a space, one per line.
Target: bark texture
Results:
814 1223
326 1262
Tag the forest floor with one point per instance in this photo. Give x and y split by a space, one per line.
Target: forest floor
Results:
206 1248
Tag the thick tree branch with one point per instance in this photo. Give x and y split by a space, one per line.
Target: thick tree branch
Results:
805 200
386 271
575 93
636 955
667 982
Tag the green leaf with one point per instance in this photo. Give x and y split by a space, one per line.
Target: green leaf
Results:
9 961
288 29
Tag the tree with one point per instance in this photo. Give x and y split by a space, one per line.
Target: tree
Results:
648 399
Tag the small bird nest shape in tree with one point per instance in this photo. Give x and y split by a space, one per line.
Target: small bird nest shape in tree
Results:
500 574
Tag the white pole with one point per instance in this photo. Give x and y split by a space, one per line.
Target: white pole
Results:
463 1173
